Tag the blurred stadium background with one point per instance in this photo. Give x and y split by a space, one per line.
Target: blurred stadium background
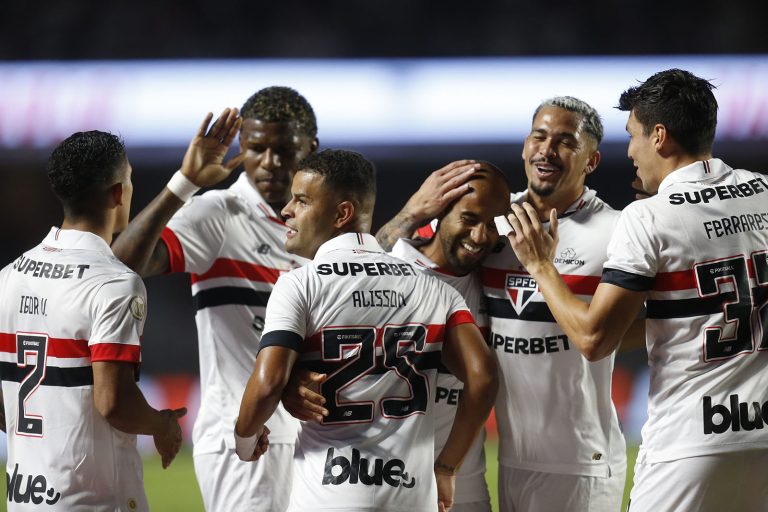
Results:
413 85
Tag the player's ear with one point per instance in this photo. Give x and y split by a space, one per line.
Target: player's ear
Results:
116 194
345 212
593 162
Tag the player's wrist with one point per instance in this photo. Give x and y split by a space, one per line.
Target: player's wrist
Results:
445 469
181 186
246 445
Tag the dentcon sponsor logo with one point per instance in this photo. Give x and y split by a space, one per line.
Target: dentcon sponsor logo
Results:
362 470
568 257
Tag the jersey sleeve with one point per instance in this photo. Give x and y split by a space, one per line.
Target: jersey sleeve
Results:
196 233
118 311
458 311
633 250
285 324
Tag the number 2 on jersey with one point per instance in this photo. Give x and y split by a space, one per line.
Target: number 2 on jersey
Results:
739 312
36 345
357 346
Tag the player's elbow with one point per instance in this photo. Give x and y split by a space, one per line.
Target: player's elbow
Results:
108 404
594 346
483 378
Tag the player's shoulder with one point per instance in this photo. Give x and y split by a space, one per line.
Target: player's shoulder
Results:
218 201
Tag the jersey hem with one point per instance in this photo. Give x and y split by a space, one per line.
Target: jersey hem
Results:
654 456
601 470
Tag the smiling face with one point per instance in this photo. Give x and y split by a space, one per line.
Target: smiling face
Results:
558 154
309 215
467 233
272 153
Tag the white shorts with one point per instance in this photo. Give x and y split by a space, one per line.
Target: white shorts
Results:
521 490
733 481
471 494
229 484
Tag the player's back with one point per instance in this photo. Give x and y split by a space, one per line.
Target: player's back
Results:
61 451
375 325
707 310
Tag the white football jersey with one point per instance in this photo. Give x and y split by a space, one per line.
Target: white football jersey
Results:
67 303
233 244
449 388
554 408
375 324
700 248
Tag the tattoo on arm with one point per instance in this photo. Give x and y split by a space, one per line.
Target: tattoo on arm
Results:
402 225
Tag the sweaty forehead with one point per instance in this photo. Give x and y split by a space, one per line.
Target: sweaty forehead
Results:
487 196
255 130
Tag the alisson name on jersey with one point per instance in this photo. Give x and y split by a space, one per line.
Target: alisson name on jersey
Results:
377 299
721 192
353 269
47 270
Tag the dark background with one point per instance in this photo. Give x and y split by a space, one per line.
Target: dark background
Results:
87 30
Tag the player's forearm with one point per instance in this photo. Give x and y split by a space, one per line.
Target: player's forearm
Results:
584 329
402 225
137 245
259 403
476 401
126 409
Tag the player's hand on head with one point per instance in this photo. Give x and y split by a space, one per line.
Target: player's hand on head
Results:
168 442
302 398
203 162
534 245
440 189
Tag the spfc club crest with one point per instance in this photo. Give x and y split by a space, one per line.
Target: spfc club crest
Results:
520 288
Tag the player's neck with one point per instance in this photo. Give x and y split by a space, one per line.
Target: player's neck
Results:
557 200
103 228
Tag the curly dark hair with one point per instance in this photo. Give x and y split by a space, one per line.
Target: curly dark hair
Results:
347 173
281 104
679 100
83 161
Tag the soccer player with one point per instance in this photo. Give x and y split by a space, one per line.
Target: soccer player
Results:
560 444
71 319
378 327
695 253
231 241
464 235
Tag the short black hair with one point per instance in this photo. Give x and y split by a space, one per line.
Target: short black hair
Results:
279 104
679 100
81 163
348 173
590 119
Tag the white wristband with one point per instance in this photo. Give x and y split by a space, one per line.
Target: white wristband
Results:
503 226
182 187
245 446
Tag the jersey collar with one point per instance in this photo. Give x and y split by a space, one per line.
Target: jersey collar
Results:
245 188
350 241
697 171
407 250
586 196
59 238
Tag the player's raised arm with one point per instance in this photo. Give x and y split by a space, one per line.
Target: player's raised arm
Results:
139 246
466 356
435 194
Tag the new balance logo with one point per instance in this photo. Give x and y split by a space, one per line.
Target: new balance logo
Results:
391 472
719 418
